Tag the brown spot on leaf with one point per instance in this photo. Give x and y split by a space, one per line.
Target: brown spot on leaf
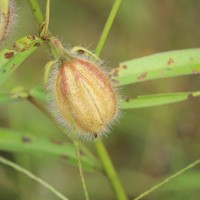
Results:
170 61
126 99
124 67
191 58
26 139
3 71
37 44
15 47
30 37
195 71
57 142
142 76
64 157
9 55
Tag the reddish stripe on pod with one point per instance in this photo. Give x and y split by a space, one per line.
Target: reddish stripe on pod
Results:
92 68
84 96
63 81
96 72
100 76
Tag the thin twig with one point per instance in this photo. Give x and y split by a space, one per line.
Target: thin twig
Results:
81 169
168 179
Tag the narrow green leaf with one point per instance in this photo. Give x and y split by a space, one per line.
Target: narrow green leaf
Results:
140 101
161 65
14 141
157 99
10 59
126 103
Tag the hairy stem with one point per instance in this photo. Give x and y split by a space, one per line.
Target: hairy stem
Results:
168 179
32 176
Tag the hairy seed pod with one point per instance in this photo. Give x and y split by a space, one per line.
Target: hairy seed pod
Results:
84 97
7 18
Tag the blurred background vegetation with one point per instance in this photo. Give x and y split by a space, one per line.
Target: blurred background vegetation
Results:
147 144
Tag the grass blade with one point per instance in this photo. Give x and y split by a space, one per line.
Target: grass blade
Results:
32 176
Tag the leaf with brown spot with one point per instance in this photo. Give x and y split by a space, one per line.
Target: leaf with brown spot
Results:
157 99
15 141
8 55
10 59
161 65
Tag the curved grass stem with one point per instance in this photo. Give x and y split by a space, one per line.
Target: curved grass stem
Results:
168 179
76 144
32 176
107 26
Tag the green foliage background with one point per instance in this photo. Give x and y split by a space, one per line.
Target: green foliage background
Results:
147 144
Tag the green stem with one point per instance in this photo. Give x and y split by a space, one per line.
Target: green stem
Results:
100 147
47 18
36 11
110 170
32 176
168 179
107 26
